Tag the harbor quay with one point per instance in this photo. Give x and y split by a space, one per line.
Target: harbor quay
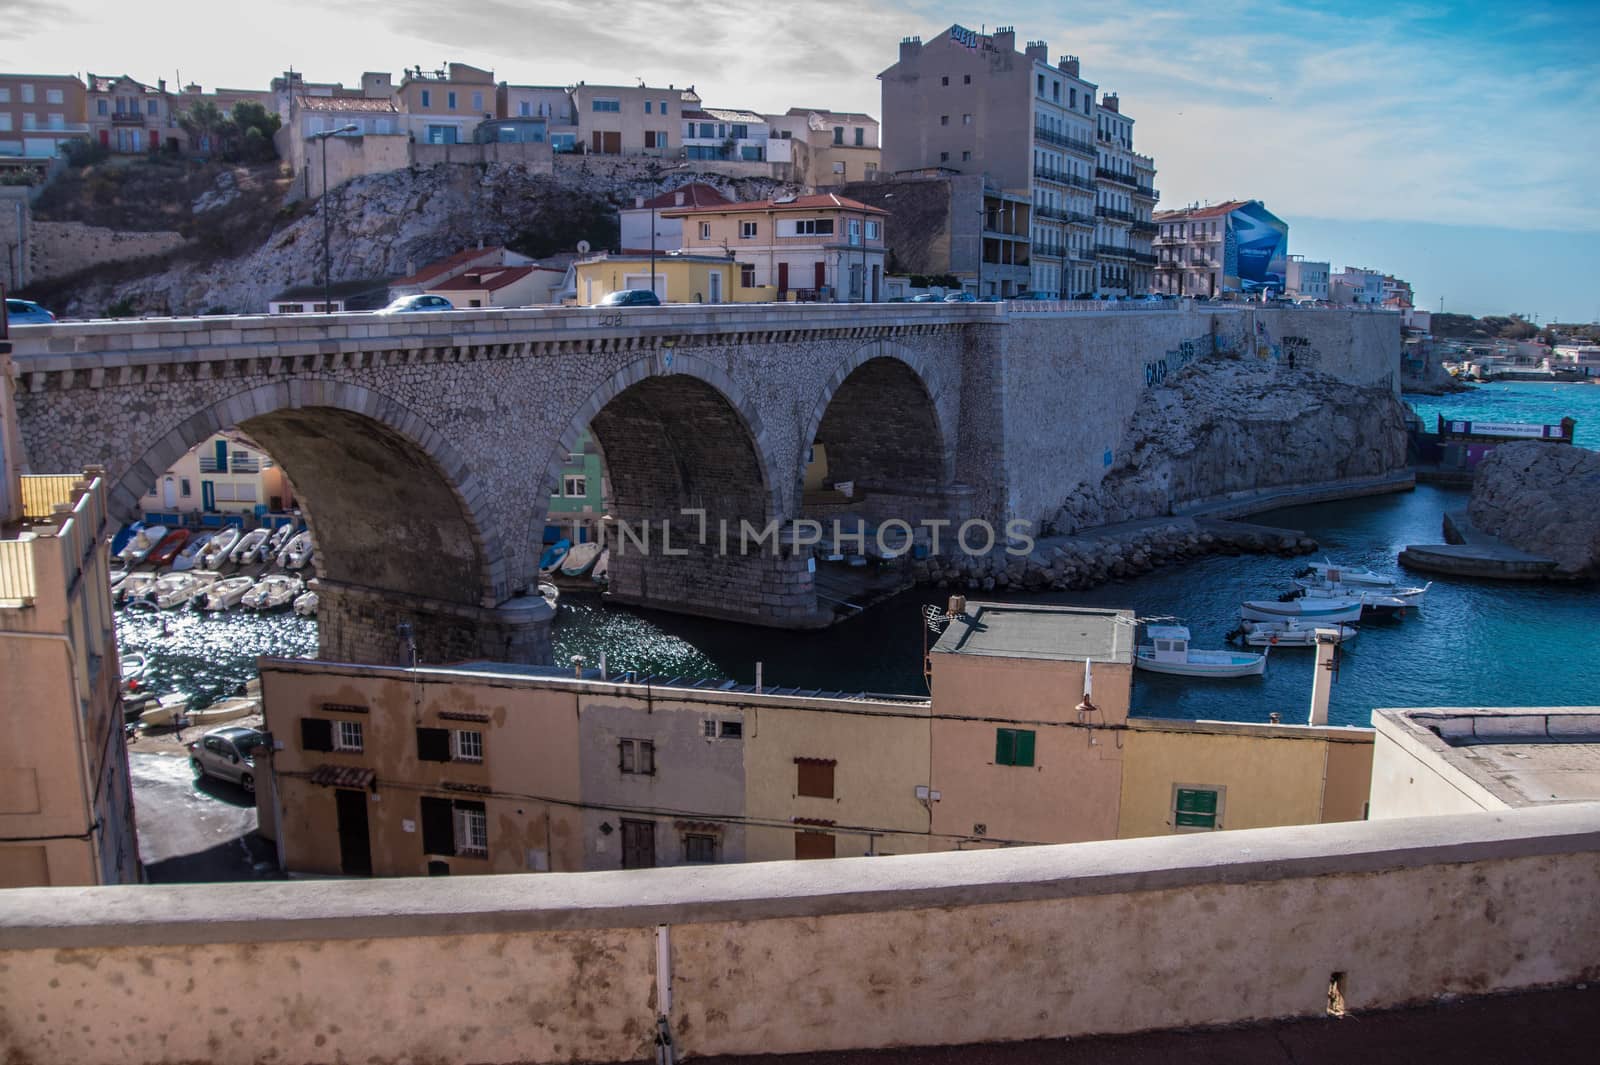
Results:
425 449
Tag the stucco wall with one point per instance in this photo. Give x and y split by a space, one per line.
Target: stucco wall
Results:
787 957
1411 778
58 249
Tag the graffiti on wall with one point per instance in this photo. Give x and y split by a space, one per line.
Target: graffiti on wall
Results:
1156 371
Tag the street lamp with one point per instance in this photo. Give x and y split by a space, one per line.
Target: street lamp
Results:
327 280
655 185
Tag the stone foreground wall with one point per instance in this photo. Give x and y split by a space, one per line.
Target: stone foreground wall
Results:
63 248
1542 498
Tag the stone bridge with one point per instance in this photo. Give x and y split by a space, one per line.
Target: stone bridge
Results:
425 448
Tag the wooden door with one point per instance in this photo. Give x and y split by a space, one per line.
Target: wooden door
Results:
813 845
821 271
638 844
355 852
783 279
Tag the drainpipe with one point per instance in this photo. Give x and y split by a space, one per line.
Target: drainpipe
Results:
665 1052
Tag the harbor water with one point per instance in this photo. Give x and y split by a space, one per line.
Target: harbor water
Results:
1474 642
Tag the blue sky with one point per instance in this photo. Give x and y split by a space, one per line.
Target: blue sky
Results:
1455 145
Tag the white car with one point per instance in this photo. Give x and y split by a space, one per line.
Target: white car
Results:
227 753
419 302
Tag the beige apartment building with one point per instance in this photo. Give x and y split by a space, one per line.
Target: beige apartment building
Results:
819 247
485 767
227 474
445 106
66 804
824 147
1306 278
129 117
631 120
39 113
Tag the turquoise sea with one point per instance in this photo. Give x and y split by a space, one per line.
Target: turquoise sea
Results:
1520 401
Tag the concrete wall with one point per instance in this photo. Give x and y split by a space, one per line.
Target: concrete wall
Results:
917 950
348 157
62 248
535 157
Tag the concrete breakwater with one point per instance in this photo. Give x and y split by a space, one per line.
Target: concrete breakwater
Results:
1074 563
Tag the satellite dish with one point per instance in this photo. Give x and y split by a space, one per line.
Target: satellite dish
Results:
583 247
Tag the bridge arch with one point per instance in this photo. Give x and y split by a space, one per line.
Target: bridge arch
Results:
396 507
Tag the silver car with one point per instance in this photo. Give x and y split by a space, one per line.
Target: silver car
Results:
227 753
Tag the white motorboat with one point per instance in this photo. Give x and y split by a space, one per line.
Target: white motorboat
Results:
297 552
550 593
280 538
1291 633
189 557
234 706
579 559
601 571
1381 596
226 593
143 542
117 577
272 592
1168 652
216 552
167 709
305 604
1333 573
133 666
176 589
135 585
1333 611
250 547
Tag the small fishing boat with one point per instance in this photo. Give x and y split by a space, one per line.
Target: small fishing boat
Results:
579 559
601 573
1325 590
189 557
305 604
226 593
550 592
135 586
134 666
1333 573
1291 633
553 555
1168 652
166 710
1333 611
124 534
272 592
235 706
249 548
279 538
119 573
144 541
297 552
164 552
216 552
176 589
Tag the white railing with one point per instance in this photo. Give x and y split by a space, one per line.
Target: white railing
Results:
16 571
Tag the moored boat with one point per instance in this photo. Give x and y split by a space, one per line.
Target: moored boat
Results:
270 593
1333 573
1328 610
189 557
1291 633
601 572
1405 596
216 552
133 666
1168 652
166 710
164 552
143 542
305 604
579 559
176 589
297 552
135 585
553 555
249 548
550 593
226 593
235 706
124 534
279 539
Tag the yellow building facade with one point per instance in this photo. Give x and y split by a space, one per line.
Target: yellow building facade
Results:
678 278
227 474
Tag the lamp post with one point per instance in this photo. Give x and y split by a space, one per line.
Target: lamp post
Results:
327 221
655 190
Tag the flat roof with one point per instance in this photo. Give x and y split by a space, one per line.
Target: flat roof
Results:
1047 633
1524 756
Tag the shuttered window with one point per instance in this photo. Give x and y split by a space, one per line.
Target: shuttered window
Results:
636 756
1196 807
438 826
814 777
813 845
316 734
1013 746
433 744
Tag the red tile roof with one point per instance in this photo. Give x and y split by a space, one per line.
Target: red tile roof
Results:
487 279
695 194
819 202
444 266
348 103
1216 210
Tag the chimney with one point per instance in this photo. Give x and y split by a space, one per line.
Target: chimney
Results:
956 606
1109 101
1005 39
1069 65
1039 50
161 84
910 48
677 198
1322 676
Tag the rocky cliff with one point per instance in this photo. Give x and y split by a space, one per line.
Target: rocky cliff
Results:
1542 498
1226 425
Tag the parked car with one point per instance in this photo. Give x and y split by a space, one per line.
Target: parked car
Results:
960 297
227 753
630 297
926 297
420 302
1151 298
1041 297
27 312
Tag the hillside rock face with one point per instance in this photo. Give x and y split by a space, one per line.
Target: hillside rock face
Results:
385 225
1229 425
1543 498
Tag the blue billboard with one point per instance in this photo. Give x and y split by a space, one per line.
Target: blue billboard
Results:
1255 250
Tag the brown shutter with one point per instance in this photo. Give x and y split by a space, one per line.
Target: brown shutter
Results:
438 827
433 744
814 777
813 845
316 734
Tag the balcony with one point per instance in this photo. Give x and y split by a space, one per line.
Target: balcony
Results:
1113 251
1049 251
1061 177
1145 229
130 118
1115 215
1145 192
1111 175
1061 140
1054 214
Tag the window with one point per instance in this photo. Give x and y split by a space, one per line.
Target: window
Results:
966 120
347 736
27 94
477 101
705 230
471 830
1041 85
966 79
944 157
30 120
575 487
433 744
1196 807
647 106
637 756
838 134
58 121
733 730
814 777
53 96
860 137
747 275
316 734
944 120
450 100
5 121
814 845
811 227
5 98
101 107
427 98
650 138
184 488
1072 98
606 105
1013 746
855 230
945 80
872 230
747 230
966 157
467 745
699 848
524 110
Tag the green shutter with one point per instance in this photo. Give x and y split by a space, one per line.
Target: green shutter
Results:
1197 808
1024 751
1004 745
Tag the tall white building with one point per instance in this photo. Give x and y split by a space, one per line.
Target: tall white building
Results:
1306 279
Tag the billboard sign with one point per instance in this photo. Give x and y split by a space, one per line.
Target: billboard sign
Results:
963 36
1255 250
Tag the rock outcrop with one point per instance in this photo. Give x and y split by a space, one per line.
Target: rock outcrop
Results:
1226 425
1542 498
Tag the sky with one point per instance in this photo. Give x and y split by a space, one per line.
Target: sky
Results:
1455 145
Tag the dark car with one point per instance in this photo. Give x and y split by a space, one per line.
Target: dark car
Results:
227 753
1041 297
960 297
630 297
27 312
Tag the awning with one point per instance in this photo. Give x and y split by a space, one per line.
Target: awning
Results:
343 776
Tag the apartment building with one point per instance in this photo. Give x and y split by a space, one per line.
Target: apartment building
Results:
825 147
631 120
820 247
66 802
130 117
724 135
973 104
550 103
1029 737
228 473
39 113
1233 247
1306 279
1356 285
444 106
636 222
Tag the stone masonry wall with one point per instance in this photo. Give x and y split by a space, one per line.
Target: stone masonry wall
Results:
63 248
